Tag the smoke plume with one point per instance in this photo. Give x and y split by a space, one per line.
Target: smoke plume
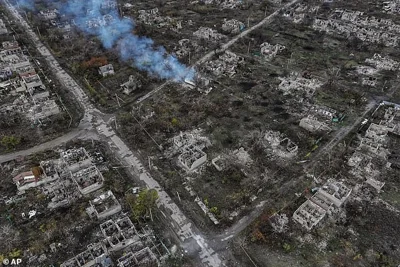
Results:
100 18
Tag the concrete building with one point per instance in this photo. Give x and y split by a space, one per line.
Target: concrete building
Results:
34 178
192 157
325 201
88 180
309 214
76 159
270 51
106 70
131 85
119 233
103 206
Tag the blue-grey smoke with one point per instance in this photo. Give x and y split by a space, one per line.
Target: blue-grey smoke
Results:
101 18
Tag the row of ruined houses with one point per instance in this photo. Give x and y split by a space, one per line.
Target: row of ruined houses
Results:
20 80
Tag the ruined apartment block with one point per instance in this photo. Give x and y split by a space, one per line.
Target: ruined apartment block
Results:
96 255
152 17
49 14
103 206
119 233
391 7
88 180
325 201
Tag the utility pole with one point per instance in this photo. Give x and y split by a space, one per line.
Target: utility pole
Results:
38 32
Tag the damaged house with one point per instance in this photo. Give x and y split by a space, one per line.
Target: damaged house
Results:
119 233
96 255
103 206
106 70
326 200
131 85
88 180
233 26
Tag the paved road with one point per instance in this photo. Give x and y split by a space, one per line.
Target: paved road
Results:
74 134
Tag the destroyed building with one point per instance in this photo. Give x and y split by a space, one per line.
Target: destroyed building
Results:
232 26
119 233
3 28
144 257
269 51
75 159
296 84
208 34
373 147
96 255
10 48
61 193
325 201
190 146
106 70
103 206
309 214
45 173
49 14
192 157
366 28
280 144
131 85
88 179
43 110
226 64
383 63
312 124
